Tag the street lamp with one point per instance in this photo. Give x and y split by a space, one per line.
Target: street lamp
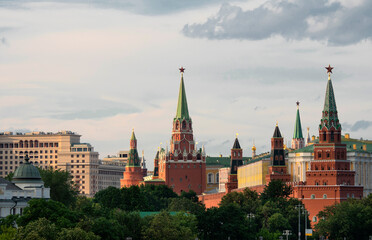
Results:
305 213
299 207
287 233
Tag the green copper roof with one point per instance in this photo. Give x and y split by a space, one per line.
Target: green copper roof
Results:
133 159
330 115
297 134
133 137
182 109
26 171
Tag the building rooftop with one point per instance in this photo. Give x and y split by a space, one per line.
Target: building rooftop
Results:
352 145
9 185
223 161
66 132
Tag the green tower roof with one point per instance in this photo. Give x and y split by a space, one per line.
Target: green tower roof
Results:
133 137
297 134
26 171
330 115
182 109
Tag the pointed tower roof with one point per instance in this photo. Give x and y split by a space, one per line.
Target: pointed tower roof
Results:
133 137
182 109
330 115
236 144
277 133
297 134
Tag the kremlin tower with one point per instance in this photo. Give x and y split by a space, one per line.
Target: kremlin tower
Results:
133 174
278 169
298 140
183 167
236 161
330 179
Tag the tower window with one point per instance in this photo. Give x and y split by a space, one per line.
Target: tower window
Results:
184 125
324 196
312 196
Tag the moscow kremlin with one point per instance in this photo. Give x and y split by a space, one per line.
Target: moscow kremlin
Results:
329 177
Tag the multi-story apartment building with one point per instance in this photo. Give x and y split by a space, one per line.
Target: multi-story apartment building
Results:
61 150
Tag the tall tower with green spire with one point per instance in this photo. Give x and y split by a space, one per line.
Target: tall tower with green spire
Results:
133 174
183 167
298 139
330 177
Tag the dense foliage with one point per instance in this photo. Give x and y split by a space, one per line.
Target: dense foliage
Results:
156 212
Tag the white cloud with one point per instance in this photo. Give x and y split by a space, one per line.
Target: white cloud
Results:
318 20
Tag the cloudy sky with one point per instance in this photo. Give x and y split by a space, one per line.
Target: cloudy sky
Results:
101 68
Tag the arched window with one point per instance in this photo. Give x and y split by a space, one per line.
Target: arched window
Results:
315 219
210 177
177 125
324 196
312 196
183 124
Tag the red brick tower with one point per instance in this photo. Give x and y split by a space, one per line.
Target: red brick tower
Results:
236 161
183 167
330 179
133 174
278 169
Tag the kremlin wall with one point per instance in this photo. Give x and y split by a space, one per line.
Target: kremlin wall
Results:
322 171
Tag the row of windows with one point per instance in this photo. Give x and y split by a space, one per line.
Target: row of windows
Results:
77 161
77 155
21 157
28 152
77 166
27 144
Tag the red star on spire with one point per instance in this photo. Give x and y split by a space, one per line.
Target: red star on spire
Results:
182 70
329 68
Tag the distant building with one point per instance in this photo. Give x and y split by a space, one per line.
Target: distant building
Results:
62 150
26 184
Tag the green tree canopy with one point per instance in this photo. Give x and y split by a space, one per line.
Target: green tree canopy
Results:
164 226
275 190
53 211
61 186
41 229
351 219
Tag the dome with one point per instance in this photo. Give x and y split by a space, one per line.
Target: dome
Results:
26 172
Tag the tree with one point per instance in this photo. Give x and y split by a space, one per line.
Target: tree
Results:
277 223
41 229
107 228
185 205
275 190
53 211
76 234
248 200
9 177
62 188
7 232
109 197
355 217
164 226
131 223
224 222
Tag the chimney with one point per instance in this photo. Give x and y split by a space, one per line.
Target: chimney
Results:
347 135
